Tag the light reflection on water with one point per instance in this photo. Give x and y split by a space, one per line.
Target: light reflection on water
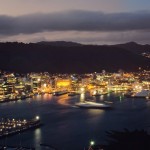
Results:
63 100
96 112
37 97
46 96
37 136
82 97
72 128
102 97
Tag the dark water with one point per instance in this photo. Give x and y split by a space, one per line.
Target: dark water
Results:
69 128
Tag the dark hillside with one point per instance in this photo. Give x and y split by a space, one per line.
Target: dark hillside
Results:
79 58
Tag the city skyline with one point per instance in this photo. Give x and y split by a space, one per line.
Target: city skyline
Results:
98 22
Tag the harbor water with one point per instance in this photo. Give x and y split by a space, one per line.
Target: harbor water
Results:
67 127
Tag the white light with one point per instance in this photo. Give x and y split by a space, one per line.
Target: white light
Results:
37 117
82 89
92 143
94 92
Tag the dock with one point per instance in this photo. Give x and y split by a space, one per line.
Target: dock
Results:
12 126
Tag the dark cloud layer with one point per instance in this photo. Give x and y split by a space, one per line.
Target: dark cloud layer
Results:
74 20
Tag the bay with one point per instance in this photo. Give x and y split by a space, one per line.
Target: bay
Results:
70 128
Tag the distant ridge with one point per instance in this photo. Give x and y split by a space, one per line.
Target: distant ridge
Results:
134 47
59 43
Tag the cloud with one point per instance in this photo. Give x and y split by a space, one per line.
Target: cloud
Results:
74 21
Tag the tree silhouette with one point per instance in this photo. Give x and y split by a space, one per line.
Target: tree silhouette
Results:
128 140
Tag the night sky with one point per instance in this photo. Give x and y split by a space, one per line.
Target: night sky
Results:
84 21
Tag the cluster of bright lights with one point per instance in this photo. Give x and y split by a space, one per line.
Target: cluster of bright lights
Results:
138 87
82 89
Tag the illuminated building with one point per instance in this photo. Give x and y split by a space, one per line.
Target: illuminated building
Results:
63 83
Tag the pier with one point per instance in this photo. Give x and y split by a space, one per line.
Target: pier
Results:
12 126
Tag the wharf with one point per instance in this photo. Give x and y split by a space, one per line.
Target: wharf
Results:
4 100
11 126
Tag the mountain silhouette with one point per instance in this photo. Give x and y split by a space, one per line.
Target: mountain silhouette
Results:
61 58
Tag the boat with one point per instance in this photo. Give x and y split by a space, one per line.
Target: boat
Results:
11 126
58 93
93 105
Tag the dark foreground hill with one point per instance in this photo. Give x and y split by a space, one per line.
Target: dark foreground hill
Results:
77 58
